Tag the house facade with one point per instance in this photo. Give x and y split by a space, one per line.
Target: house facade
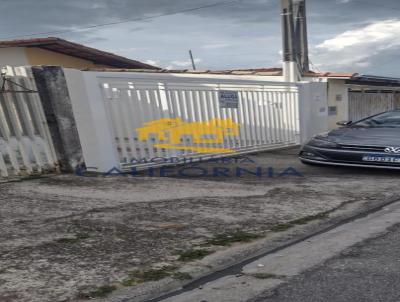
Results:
59 52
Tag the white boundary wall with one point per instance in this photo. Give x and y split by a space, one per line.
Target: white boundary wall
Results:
110 106
26 146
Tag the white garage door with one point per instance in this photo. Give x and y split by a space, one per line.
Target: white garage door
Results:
364 104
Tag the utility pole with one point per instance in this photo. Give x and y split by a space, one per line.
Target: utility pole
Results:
191 58
301 35
288 31
290 67
295 40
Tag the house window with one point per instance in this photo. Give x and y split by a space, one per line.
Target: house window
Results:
332 111
339 98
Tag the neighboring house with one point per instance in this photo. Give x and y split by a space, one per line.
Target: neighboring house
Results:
352 97
59 52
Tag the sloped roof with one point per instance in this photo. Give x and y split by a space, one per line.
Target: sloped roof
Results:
244 72
345 75
79 51
259 71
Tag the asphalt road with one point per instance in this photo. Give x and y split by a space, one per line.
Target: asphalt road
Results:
369 271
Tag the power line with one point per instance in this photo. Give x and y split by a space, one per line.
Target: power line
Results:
90 27
100 25
314 66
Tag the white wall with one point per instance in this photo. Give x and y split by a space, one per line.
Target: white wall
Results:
313 110
97 139
14 56
338 96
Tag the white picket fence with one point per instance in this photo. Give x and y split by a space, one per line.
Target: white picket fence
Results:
128 119
25 143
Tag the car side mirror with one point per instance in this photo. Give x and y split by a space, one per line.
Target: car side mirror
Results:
344 123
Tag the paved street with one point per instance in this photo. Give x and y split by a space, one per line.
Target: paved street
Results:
367 272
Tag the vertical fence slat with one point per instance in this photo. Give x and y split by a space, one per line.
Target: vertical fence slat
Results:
25 141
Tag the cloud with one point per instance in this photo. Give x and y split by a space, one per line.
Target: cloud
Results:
152 62
358 47
186 63
224 37
127 49
215 46
77 13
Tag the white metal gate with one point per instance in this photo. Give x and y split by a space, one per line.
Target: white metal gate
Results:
363 104
145 114
25 143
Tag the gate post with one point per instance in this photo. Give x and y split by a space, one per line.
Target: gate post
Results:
94 127
57 107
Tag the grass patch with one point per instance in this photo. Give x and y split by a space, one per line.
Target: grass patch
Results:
182 276
229 239
129 282
137 277
193 255
282 227
77 238
99 292
301 221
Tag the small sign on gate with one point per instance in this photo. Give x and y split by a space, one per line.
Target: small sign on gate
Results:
228 99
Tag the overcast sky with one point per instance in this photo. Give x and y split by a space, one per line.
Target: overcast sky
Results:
344 35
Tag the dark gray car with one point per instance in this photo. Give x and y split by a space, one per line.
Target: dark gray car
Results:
371 142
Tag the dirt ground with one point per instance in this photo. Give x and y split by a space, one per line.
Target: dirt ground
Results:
69 237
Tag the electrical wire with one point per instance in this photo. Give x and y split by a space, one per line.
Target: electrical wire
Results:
314 66
101 25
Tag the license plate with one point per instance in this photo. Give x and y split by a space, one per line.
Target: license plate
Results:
378 158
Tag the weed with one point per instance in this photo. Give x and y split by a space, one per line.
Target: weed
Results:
99 292
282 227
192 255
129 282
137 277
310 218
301 221
181 276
